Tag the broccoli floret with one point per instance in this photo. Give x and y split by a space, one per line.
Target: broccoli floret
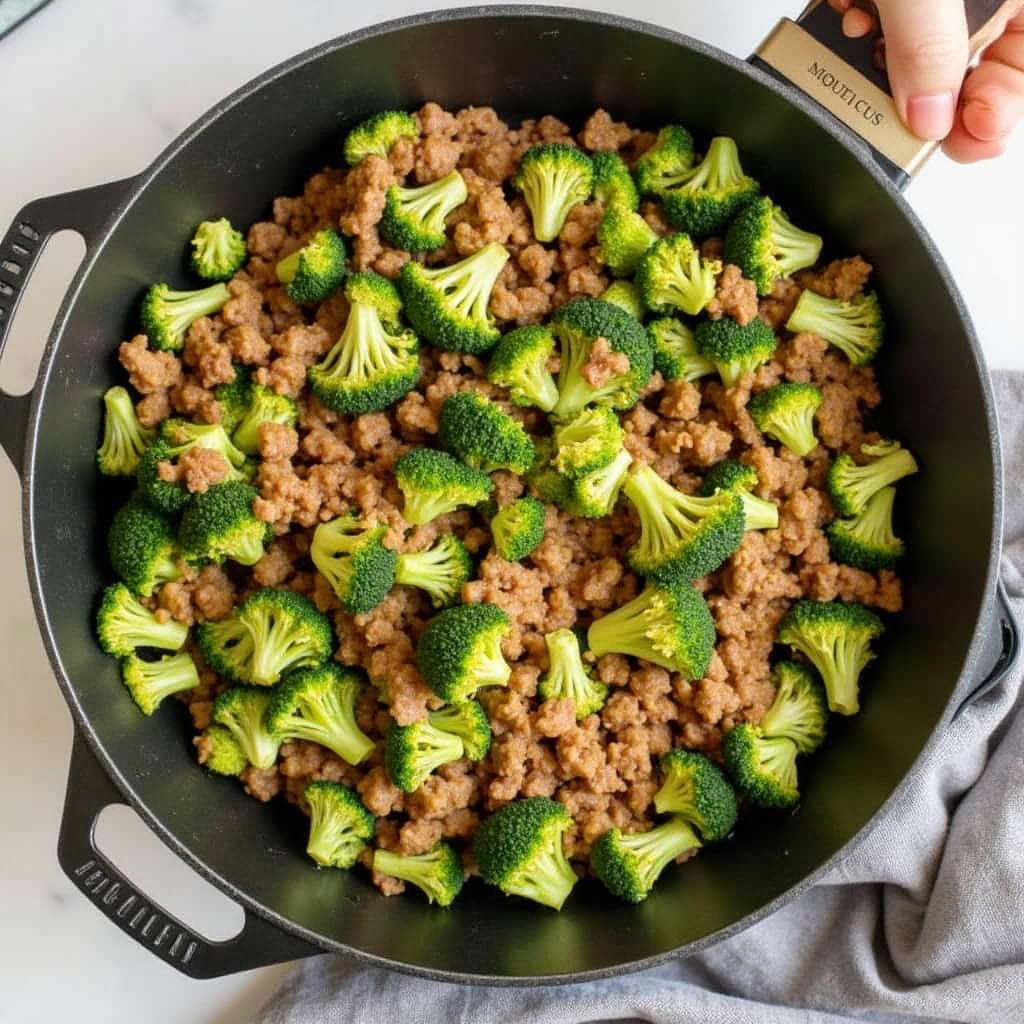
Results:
594 496
435 483
852 486
567 678
666 163
355 562
668 624
219 523
448 306
468 721
694 789
222 754
482 435
736 478
318 704
629 865
674 276
234 398
681 536
520 363
624 294
218 250
867 541
123 625
856 328
764 244
578 325
243 711
519 850
167 315
799 711
149 682
339 825
706 198
227 647
736 349
165 496
125 438
414 218
441 571
377 134
412 752
613 184
314 272
460 651
374 362
786 412
438 873
623 238
676 356
518 528
143 551
265 406
588 442
763 767
553 178
836 639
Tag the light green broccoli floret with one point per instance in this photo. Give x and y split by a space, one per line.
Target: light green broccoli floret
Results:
265 406
673 276
567 678
219 523
412 753
518 528
221 753
624 294
142 546
786 412
629 865
167 315
125 438
354 561
856 328
736 478
623 237
313 272
460 651
520 363
243 711
852 486
594 495
553 178
435 483
587 442
234 398
438 873
441 571
666 163
377 134
867 540
150 682
736 349
694 789
676 356
123 625
218 250
482 435
468 721
763 767
414 218
799 711
613 184
340 827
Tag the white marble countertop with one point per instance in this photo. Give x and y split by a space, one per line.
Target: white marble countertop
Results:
94 89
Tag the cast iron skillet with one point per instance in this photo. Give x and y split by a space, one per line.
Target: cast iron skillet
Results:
264 141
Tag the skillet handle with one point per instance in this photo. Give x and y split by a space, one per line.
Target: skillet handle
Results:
1006 642
85 211
89 790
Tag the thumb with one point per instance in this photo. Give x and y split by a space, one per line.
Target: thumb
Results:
926 52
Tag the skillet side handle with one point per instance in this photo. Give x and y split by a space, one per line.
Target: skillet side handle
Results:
258 944
1007 643
84 211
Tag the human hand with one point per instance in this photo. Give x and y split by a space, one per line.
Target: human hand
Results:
926 54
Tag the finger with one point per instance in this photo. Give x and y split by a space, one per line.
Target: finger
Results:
840 5
964 148
857 23
926 49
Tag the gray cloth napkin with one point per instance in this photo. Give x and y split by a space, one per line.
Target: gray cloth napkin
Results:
924 921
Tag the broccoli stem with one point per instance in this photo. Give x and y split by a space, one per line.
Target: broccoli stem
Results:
656 849
183 308
759 513
549 878
288 267
467 285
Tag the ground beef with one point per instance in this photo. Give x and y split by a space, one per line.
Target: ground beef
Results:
603 364
199 469
149 372
736 297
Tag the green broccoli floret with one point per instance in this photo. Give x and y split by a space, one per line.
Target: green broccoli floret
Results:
142 547
736 478
629 865
435 483
668 624
377 134
735 349
482 435
339 825
219 523
578 325
666 163
553 178
867 541
165 496
123 625
694 789
836 639
313 272
594 496
468 721
413 752
227 647
681 536
460 651
265 406
519 850
125 438
218 250
549 484
624 294
786 412
234 398
675 351
448 305
764 244
441 571
623 237
567 678
414 218
243 711
856 328
518 528
438 873
222 754
799 711
374 362
167 315
354 561
613 184
520 363
587 442
852 486
318 704
674 276
763 767
149 682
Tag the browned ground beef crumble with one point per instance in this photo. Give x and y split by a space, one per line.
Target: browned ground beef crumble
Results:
603 768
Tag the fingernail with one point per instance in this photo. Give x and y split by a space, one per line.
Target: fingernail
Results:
985 122
931 117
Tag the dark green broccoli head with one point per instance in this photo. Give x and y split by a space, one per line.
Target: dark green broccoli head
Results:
123 625
413 752
567 678
125 438
629 865
435 483
517 529
482 435
673 276
675 351
339 825
265 406
167 315
142 546
553 178
353 559
414 218
438 873
243 711
852 487
377 134
222 755
694 789
441 571
460 651
736 478
800 708
313 272
613 184
520 363
218 250
234 398
856 328
150 682
587 442
219 523
519 850
624 294
736 349
468 721
763 768
867 540
666 163
786 412
623 237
